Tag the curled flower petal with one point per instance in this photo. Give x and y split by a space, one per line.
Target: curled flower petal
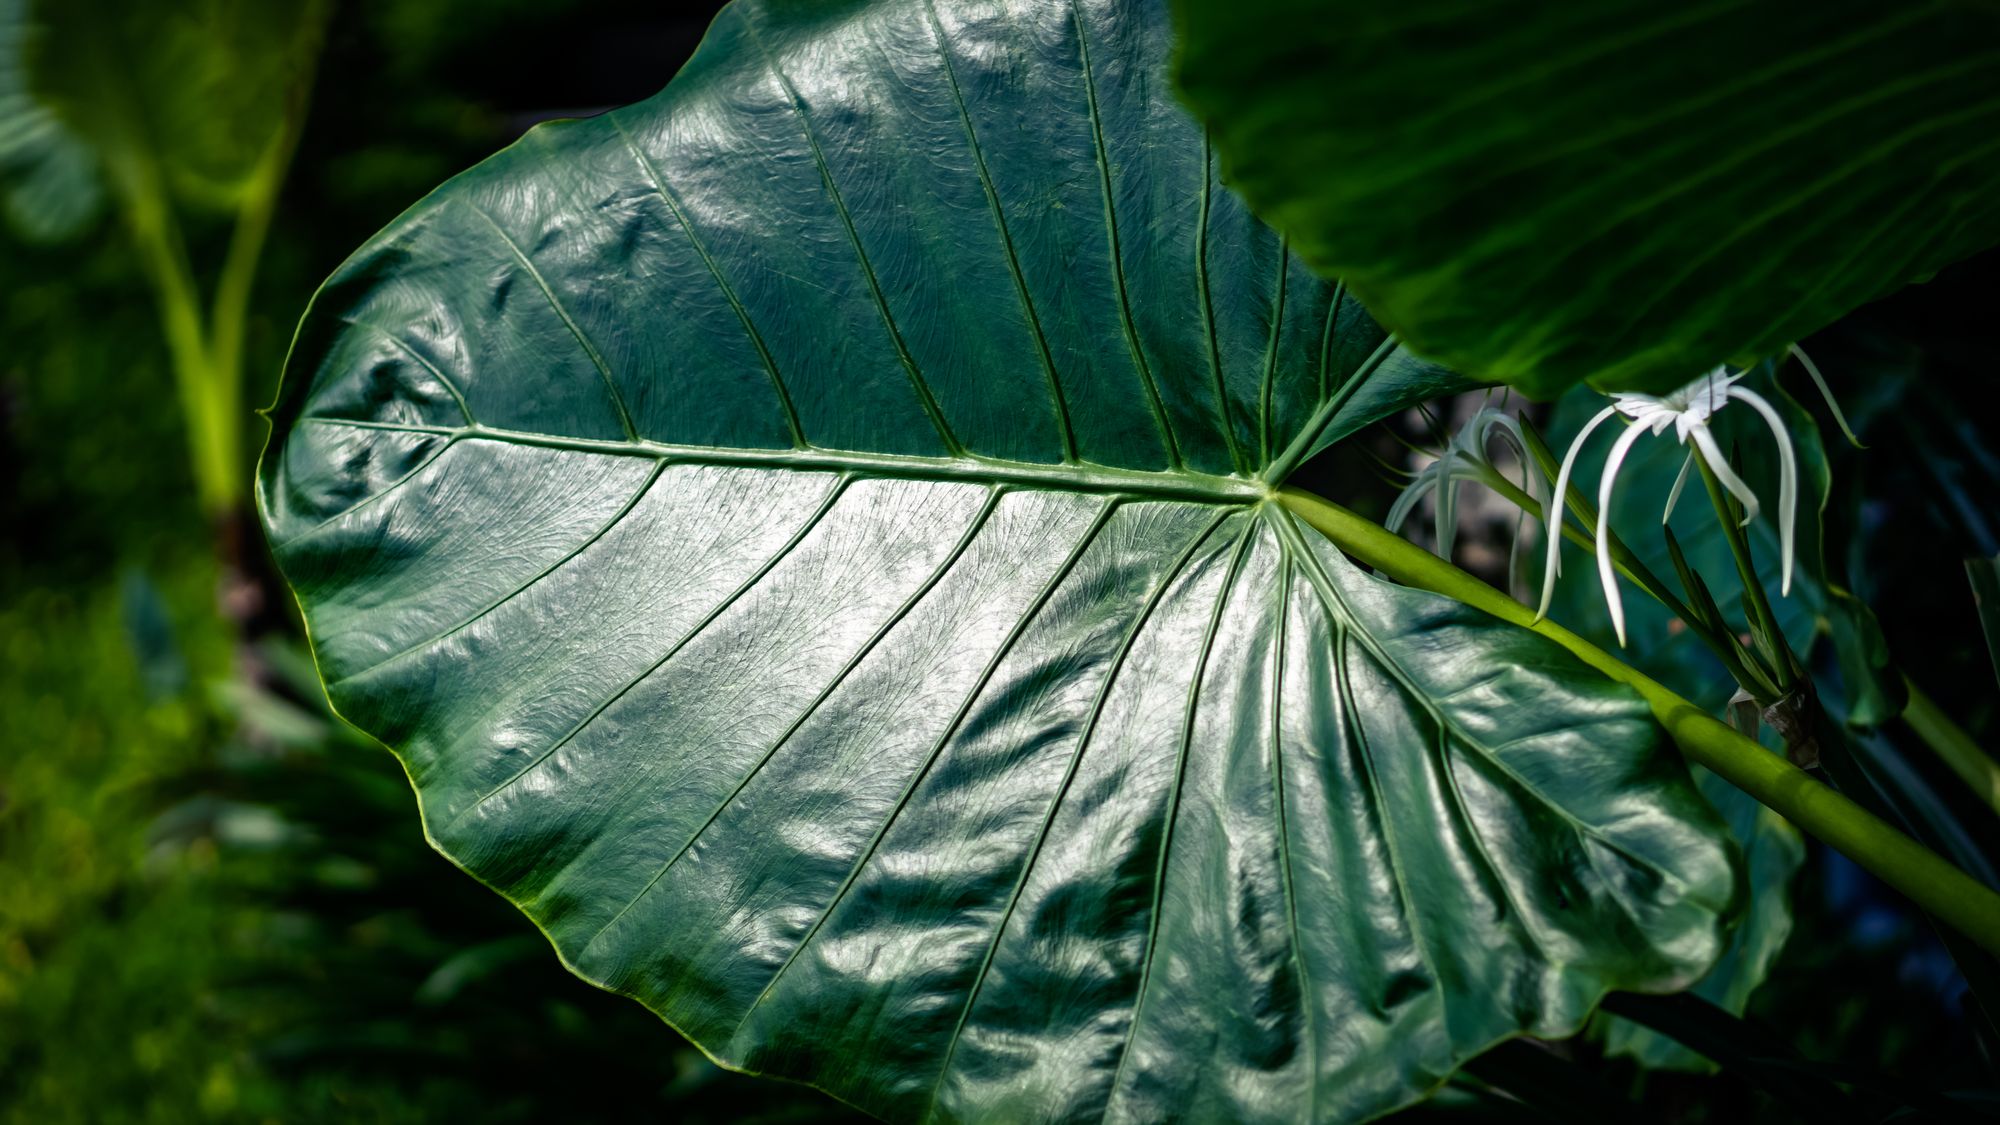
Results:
1788 479
1445 516
1464 458
1554 509
1411 495
1711 452
1680 482
1605 574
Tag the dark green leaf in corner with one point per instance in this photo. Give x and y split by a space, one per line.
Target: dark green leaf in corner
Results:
806 536
1626 192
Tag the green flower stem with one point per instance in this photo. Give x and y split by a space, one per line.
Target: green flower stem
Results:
1946 892
1626 563
1953 746
1629 565
1764 631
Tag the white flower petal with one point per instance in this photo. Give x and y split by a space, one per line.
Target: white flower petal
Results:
1446 515
1788 480
1412 493
1514 553
1605 572
1558 499
1711 452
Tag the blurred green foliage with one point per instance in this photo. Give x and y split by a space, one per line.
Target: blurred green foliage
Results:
190 92
215 903
219 907
49 187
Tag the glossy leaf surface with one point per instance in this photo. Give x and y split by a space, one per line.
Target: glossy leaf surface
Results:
1773 853
1623 192
807 537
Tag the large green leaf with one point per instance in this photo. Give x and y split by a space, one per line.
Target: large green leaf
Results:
1773 853
1620 191
808 537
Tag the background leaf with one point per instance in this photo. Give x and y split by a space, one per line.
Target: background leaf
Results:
188 97
48 177
1984 574
1617 192
799 534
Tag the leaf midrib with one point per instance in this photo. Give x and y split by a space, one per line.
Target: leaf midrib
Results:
1175 484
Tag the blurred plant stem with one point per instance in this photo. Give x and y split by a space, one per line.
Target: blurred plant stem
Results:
1953 746
206 338
1984 575
207 350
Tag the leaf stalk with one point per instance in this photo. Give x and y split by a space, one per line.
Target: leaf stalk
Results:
1949 894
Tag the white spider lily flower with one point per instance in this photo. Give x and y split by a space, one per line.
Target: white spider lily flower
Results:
1466 459
1687 411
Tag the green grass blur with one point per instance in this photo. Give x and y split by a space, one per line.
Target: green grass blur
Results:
215 901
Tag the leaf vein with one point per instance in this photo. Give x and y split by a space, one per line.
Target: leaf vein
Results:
1182 484
1271 350
1322 582
1203 290
1301 446
1139 365
993 498
403 346
451 439
645 486
832 497
925 397
555 303
1065 426
1084 735
1173 806
1308 998
729 294
965 708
